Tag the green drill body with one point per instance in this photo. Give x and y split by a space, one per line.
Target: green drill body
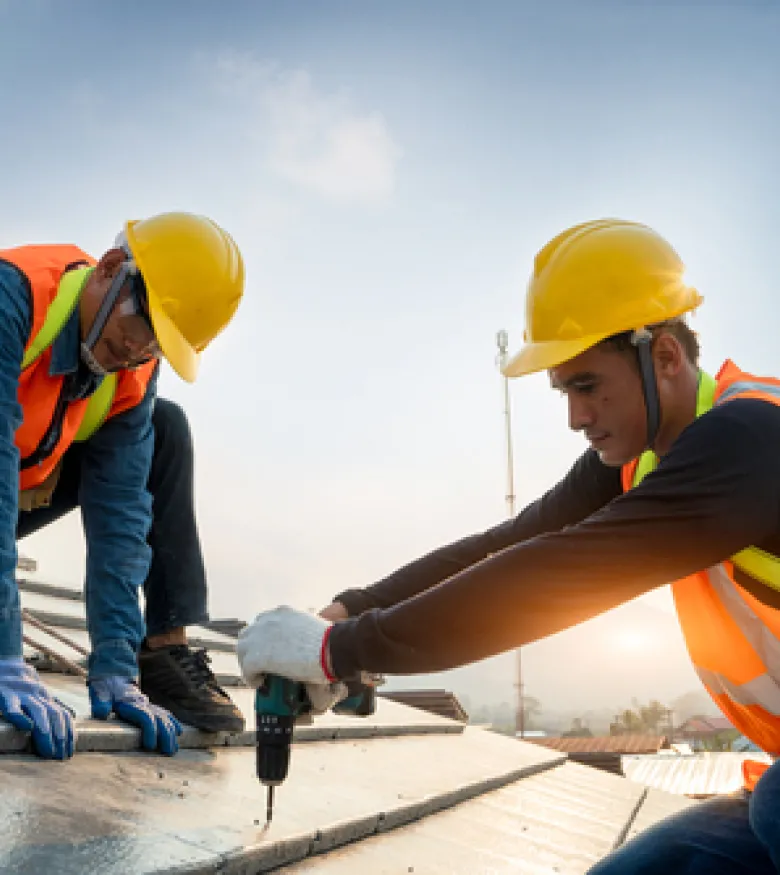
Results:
278 704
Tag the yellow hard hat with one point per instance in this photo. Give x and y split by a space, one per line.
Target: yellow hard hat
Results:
194 277
595 280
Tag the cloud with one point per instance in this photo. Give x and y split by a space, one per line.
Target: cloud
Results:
318 142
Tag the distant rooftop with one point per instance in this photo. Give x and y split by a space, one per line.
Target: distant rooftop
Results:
620 744
704 726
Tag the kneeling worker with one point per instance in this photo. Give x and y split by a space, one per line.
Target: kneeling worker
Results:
80 343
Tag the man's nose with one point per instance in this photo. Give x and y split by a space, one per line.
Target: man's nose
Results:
581 413
141 347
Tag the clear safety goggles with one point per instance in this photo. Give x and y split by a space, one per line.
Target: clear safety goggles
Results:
133 311
127 297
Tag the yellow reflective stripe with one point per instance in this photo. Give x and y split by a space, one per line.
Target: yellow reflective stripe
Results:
759 564
68 294
98 408
705 396
647 462
762 690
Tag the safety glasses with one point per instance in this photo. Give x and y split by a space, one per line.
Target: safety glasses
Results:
133 311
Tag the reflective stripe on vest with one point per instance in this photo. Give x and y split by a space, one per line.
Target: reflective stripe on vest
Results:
732 637
763 689
68 294
759 564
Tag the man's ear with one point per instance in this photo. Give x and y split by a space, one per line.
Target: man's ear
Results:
109 264
668 355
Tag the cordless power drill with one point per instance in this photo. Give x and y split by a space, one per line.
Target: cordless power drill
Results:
278 704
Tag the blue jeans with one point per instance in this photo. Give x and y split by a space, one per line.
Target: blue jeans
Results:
722 836
175 587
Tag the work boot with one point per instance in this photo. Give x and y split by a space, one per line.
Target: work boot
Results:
179 679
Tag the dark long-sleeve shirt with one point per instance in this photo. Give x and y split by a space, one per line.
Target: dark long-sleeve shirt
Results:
578 551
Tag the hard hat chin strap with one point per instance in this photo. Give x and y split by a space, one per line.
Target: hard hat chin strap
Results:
642 339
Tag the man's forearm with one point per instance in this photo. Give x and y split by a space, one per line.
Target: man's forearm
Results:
15 327
588 486
525 593
10 609
117 512
712 495
10 621
418 576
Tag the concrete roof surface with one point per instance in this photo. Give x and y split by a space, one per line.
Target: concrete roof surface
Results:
401 791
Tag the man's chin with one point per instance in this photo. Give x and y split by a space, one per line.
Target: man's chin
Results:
613 458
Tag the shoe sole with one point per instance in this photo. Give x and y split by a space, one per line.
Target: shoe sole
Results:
199 721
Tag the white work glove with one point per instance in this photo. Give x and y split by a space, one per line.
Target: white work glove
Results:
289 643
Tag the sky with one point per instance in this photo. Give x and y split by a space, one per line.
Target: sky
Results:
389 171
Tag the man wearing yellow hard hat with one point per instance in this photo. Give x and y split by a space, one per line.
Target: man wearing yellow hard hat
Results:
80 425
681 484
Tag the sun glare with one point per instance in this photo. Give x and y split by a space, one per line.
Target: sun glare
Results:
631 641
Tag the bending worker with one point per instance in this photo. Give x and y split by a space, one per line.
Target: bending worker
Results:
80 344
681 483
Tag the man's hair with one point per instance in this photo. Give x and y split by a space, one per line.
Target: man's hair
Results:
678 328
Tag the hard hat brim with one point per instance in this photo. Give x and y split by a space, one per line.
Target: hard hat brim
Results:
177 351
534 357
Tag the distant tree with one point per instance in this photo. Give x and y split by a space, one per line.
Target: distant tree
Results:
579 729
480 715
720 741
502 717
531 709
653 718
628 722
693 704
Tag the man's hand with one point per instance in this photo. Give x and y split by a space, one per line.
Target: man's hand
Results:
293 645
334 612
159 728
26 704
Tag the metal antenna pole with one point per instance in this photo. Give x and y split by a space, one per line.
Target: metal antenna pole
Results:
502 341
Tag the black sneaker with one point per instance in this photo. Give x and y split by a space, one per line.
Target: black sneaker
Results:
180 680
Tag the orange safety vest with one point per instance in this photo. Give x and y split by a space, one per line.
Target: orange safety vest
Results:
732 638
43 266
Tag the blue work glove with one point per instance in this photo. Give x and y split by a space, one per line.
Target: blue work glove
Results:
159 728
26 704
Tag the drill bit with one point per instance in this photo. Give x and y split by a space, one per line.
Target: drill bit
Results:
269 811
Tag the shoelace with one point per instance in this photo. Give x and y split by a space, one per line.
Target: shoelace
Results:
197 665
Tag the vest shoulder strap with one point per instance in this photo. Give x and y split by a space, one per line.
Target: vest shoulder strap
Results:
759 564
98 408
60 310
705 399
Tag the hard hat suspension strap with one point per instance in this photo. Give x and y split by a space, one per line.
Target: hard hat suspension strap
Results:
642 339
103 314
